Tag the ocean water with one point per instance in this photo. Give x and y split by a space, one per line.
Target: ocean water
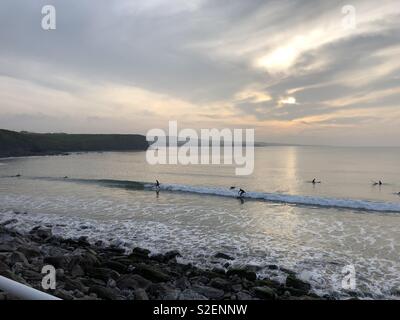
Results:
284 220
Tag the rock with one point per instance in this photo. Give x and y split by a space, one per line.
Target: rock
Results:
111 283
221 255
242 273
189 294
105 293
117 266
273 267
7 247
139 253
57 261
151 273
63 294
265 293
209 292
31 275
29 251
243 296
182 283
102 273
133 281
162 291
77 271
237 287
293 282
43 233
140 294
171 255
18 257
3 267
220 283
74 284
10 221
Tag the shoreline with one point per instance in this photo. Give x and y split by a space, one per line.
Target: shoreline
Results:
88 271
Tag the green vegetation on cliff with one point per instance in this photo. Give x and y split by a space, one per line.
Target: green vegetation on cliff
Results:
15 144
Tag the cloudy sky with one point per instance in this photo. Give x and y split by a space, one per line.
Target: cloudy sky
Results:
295 70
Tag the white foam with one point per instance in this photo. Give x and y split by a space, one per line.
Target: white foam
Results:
291 199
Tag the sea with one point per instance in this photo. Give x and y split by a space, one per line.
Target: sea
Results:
283 221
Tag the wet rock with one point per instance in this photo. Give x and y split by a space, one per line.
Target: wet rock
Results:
29 251
57 261
103 273
151 273
243 296
139 253
189 294
209 292
242 273
18 257
117 266
293 282
220 284
10 221
63 294
140 294
133 281
221 255
162 291
182 283
7 247
171 255
265 293
77 271
105 293
75 284
3 267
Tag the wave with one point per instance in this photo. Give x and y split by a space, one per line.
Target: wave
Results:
353 204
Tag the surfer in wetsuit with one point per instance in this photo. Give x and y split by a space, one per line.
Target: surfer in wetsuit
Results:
241 192
157 184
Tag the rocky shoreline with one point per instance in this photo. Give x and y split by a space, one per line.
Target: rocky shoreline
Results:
87 271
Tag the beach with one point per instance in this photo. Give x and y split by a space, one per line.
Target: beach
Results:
92 271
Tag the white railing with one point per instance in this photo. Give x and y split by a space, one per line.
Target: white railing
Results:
22 291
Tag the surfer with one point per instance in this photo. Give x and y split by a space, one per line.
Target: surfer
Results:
379 183
17 175
232 188
66 177
157 184
241 192
314 181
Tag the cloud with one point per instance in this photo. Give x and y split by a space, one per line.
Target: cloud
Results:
286 67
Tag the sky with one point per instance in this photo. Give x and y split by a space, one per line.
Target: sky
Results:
297 71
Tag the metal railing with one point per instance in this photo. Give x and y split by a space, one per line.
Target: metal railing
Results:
22 291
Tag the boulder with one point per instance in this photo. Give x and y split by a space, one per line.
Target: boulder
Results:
265 293
18 257
293 282
151 273
242 273
209 292
140 294
221 255
133 281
